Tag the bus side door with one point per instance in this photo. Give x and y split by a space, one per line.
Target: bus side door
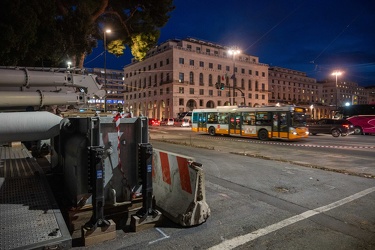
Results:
280 127
235 123
202 122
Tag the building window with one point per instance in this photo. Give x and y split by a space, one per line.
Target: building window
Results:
227 68
210 80
250 72
210 92
191 77
161 63
191 91
198 49
257 73
208 51
167 61
167 90
161 91
201 64
210 65
201 103
181 77
242 83
181 101
256 96
201 92
243 71
219 66
181 90
181 60
189 46
191 62
201 79
263 74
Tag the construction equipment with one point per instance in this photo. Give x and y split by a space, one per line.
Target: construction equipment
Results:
104 162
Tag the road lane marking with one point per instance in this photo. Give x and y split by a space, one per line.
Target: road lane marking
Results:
165 236
243 239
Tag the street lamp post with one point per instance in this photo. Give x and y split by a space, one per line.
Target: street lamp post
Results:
233 52
336 73
105 68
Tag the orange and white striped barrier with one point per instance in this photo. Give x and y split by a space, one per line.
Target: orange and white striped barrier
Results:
179 188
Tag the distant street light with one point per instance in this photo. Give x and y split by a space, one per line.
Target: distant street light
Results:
233 52
336 73
69 64
105 68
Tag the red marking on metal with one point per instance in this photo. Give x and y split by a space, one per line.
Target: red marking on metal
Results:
164 161
183 169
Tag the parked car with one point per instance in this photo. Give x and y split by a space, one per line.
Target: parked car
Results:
186 122
167 121
331 126
153 122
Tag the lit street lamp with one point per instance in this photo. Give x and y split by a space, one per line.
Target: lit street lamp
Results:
69 64
336 73
233 52
105 68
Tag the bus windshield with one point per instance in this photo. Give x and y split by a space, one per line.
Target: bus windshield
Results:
298 119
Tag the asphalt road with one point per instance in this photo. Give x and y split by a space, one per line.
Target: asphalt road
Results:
272 195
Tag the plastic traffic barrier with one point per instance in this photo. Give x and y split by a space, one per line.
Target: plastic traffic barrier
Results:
179 188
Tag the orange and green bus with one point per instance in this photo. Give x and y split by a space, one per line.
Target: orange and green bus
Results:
284 122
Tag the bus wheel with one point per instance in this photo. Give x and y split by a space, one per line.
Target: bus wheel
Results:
212 131
358 131
263 135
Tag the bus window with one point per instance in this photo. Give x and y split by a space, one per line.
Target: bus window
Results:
283 122
212 118
248 118
263 118
222 118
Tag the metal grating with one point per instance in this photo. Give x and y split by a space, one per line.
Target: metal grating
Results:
29 217
16 162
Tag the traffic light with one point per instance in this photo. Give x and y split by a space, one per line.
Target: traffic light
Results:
354 99
222 86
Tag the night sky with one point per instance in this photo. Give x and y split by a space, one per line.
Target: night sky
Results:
315 36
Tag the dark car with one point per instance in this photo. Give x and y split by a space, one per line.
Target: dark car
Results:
331 126
153 122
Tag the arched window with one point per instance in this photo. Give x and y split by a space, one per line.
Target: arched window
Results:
191 78
201 79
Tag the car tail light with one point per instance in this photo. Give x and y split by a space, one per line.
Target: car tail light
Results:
345 125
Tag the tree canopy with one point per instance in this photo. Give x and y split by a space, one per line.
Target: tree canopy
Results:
48 33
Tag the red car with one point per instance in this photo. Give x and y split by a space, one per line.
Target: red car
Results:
153 122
